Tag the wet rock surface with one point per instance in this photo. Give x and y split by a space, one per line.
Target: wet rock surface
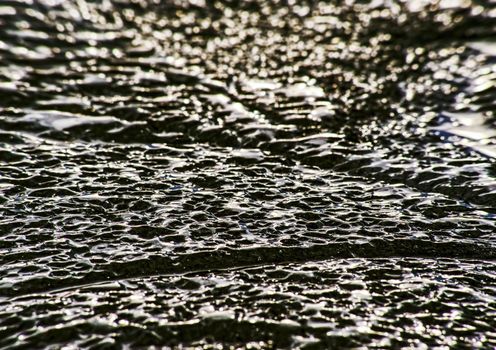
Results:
247 173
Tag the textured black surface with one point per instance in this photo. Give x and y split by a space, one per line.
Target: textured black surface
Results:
338 303
247 173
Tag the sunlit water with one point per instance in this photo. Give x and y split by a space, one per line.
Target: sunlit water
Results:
260 174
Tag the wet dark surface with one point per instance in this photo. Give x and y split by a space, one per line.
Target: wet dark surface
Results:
247 173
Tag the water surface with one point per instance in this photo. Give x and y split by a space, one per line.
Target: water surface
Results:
255 174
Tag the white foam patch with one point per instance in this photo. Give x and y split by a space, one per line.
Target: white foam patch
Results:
254 154
486 47
473 132
303 90
62 120
257 85
467 118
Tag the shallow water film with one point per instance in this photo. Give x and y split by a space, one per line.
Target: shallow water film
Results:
247 174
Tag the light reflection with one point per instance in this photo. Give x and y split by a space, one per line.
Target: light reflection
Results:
146 138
